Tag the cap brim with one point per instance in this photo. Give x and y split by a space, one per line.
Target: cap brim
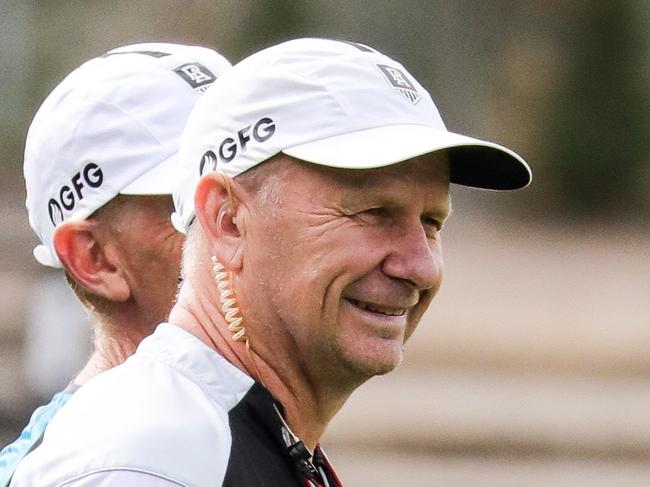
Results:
46 257
157 180
473 162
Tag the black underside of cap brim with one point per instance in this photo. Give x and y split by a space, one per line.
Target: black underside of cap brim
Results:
486 168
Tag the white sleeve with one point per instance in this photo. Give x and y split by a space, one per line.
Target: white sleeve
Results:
121 478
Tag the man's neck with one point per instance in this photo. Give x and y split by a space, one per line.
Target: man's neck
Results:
308 410
113 346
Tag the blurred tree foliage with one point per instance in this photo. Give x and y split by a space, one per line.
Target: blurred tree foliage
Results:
273 22
598 129
585 133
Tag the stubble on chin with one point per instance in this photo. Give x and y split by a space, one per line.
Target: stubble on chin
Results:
361 365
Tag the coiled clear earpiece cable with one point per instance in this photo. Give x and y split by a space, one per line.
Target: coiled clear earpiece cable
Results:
231 311
229 302
296 448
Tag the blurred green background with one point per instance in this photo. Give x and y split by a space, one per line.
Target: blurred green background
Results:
533 365
565 83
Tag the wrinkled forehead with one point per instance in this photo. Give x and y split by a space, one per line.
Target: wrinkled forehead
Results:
425 178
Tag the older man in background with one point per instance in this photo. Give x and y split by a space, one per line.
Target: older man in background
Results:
99 165
313 186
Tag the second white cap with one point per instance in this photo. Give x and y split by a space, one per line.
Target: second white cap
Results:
111 126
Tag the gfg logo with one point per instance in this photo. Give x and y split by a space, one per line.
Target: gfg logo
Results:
208 162
91 175
260 131
55 212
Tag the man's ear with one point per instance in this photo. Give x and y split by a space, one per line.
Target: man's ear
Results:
82 249
216 203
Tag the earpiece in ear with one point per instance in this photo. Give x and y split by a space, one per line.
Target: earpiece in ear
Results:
226 222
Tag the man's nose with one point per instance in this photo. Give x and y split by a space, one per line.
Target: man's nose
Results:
414 257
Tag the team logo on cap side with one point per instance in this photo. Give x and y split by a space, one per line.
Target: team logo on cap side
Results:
196 75
208 163
230 147
399 80
55 212
91 176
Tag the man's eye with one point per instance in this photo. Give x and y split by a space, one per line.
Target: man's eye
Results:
374 215
378 211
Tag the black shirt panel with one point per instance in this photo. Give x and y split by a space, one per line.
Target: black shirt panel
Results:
258 456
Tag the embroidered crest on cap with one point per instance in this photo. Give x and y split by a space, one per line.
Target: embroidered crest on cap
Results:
399 80
196 75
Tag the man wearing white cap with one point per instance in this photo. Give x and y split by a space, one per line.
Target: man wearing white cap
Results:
313 185
100 158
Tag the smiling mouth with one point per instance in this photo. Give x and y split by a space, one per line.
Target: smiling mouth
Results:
378 309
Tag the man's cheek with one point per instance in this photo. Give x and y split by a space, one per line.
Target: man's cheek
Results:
416 313
410 328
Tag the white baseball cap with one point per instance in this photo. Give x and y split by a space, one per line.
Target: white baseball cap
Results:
112 126
335 103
